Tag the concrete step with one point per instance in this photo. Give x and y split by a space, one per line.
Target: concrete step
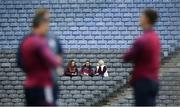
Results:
169 94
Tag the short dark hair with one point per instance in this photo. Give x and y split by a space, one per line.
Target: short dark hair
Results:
88 61
152 16
39 17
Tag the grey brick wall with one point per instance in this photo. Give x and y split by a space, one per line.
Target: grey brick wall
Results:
90 24
73 91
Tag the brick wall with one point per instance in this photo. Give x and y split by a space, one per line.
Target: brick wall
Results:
90 24
73 91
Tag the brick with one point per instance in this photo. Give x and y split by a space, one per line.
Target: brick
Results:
76 78
5 64
92 87
82 87
99 83
81 100
65 78
77 96
97 78
84 78
71 87
67 96
89 83
64 91
78 82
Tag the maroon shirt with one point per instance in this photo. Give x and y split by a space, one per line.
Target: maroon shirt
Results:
145 55
86 70
38 61
71 71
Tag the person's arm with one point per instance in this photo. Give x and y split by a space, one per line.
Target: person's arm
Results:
104 69
81 71
91 71
67 73
97 70
76 71
47 55
59 48
19 58
60 51
132 54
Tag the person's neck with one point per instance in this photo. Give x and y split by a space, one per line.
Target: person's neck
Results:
147 28
38 32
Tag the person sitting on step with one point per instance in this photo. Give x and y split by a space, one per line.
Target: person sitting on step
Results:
101 69
87 69
71 69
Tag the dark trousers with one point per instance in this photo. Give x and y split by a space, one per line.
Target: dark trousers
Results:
41 96
145 92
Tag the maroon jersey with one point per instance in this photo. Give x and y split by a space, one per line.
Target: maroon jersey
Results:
145 55
86 71
38 61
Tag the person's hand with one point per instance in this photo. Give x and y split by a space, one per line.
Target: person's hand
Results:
85 74
97 74
74 73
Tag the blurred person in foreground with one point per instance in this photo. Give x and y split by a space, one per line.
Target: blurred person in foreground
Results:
37 60
145 55
56 47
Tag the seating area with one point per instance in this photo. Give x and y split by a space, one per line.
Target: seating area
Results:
90 24
169 86
88 30
77 90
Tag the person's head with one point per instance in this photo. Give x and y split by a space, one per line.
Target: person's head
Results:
72 63
41 21
101 62
87 64
148 19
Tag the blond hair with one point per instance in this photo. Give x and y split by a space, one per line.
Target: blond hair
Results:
101 62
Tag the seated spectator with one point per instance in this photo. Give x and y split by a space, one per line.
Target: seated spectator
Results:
71 69
87 69
101 69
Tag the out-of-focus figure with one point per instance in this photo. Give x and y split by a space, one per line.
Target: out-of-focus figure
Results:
101 69
37 60
145 55
87 69
71 69
56 47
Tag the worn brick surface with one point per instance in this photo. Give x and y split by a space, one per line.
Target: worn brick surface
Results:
72 91
169 87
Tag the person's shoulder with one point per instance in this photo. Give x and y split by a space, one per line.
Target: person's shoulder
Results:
26 39
140 40
35 41
153 35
